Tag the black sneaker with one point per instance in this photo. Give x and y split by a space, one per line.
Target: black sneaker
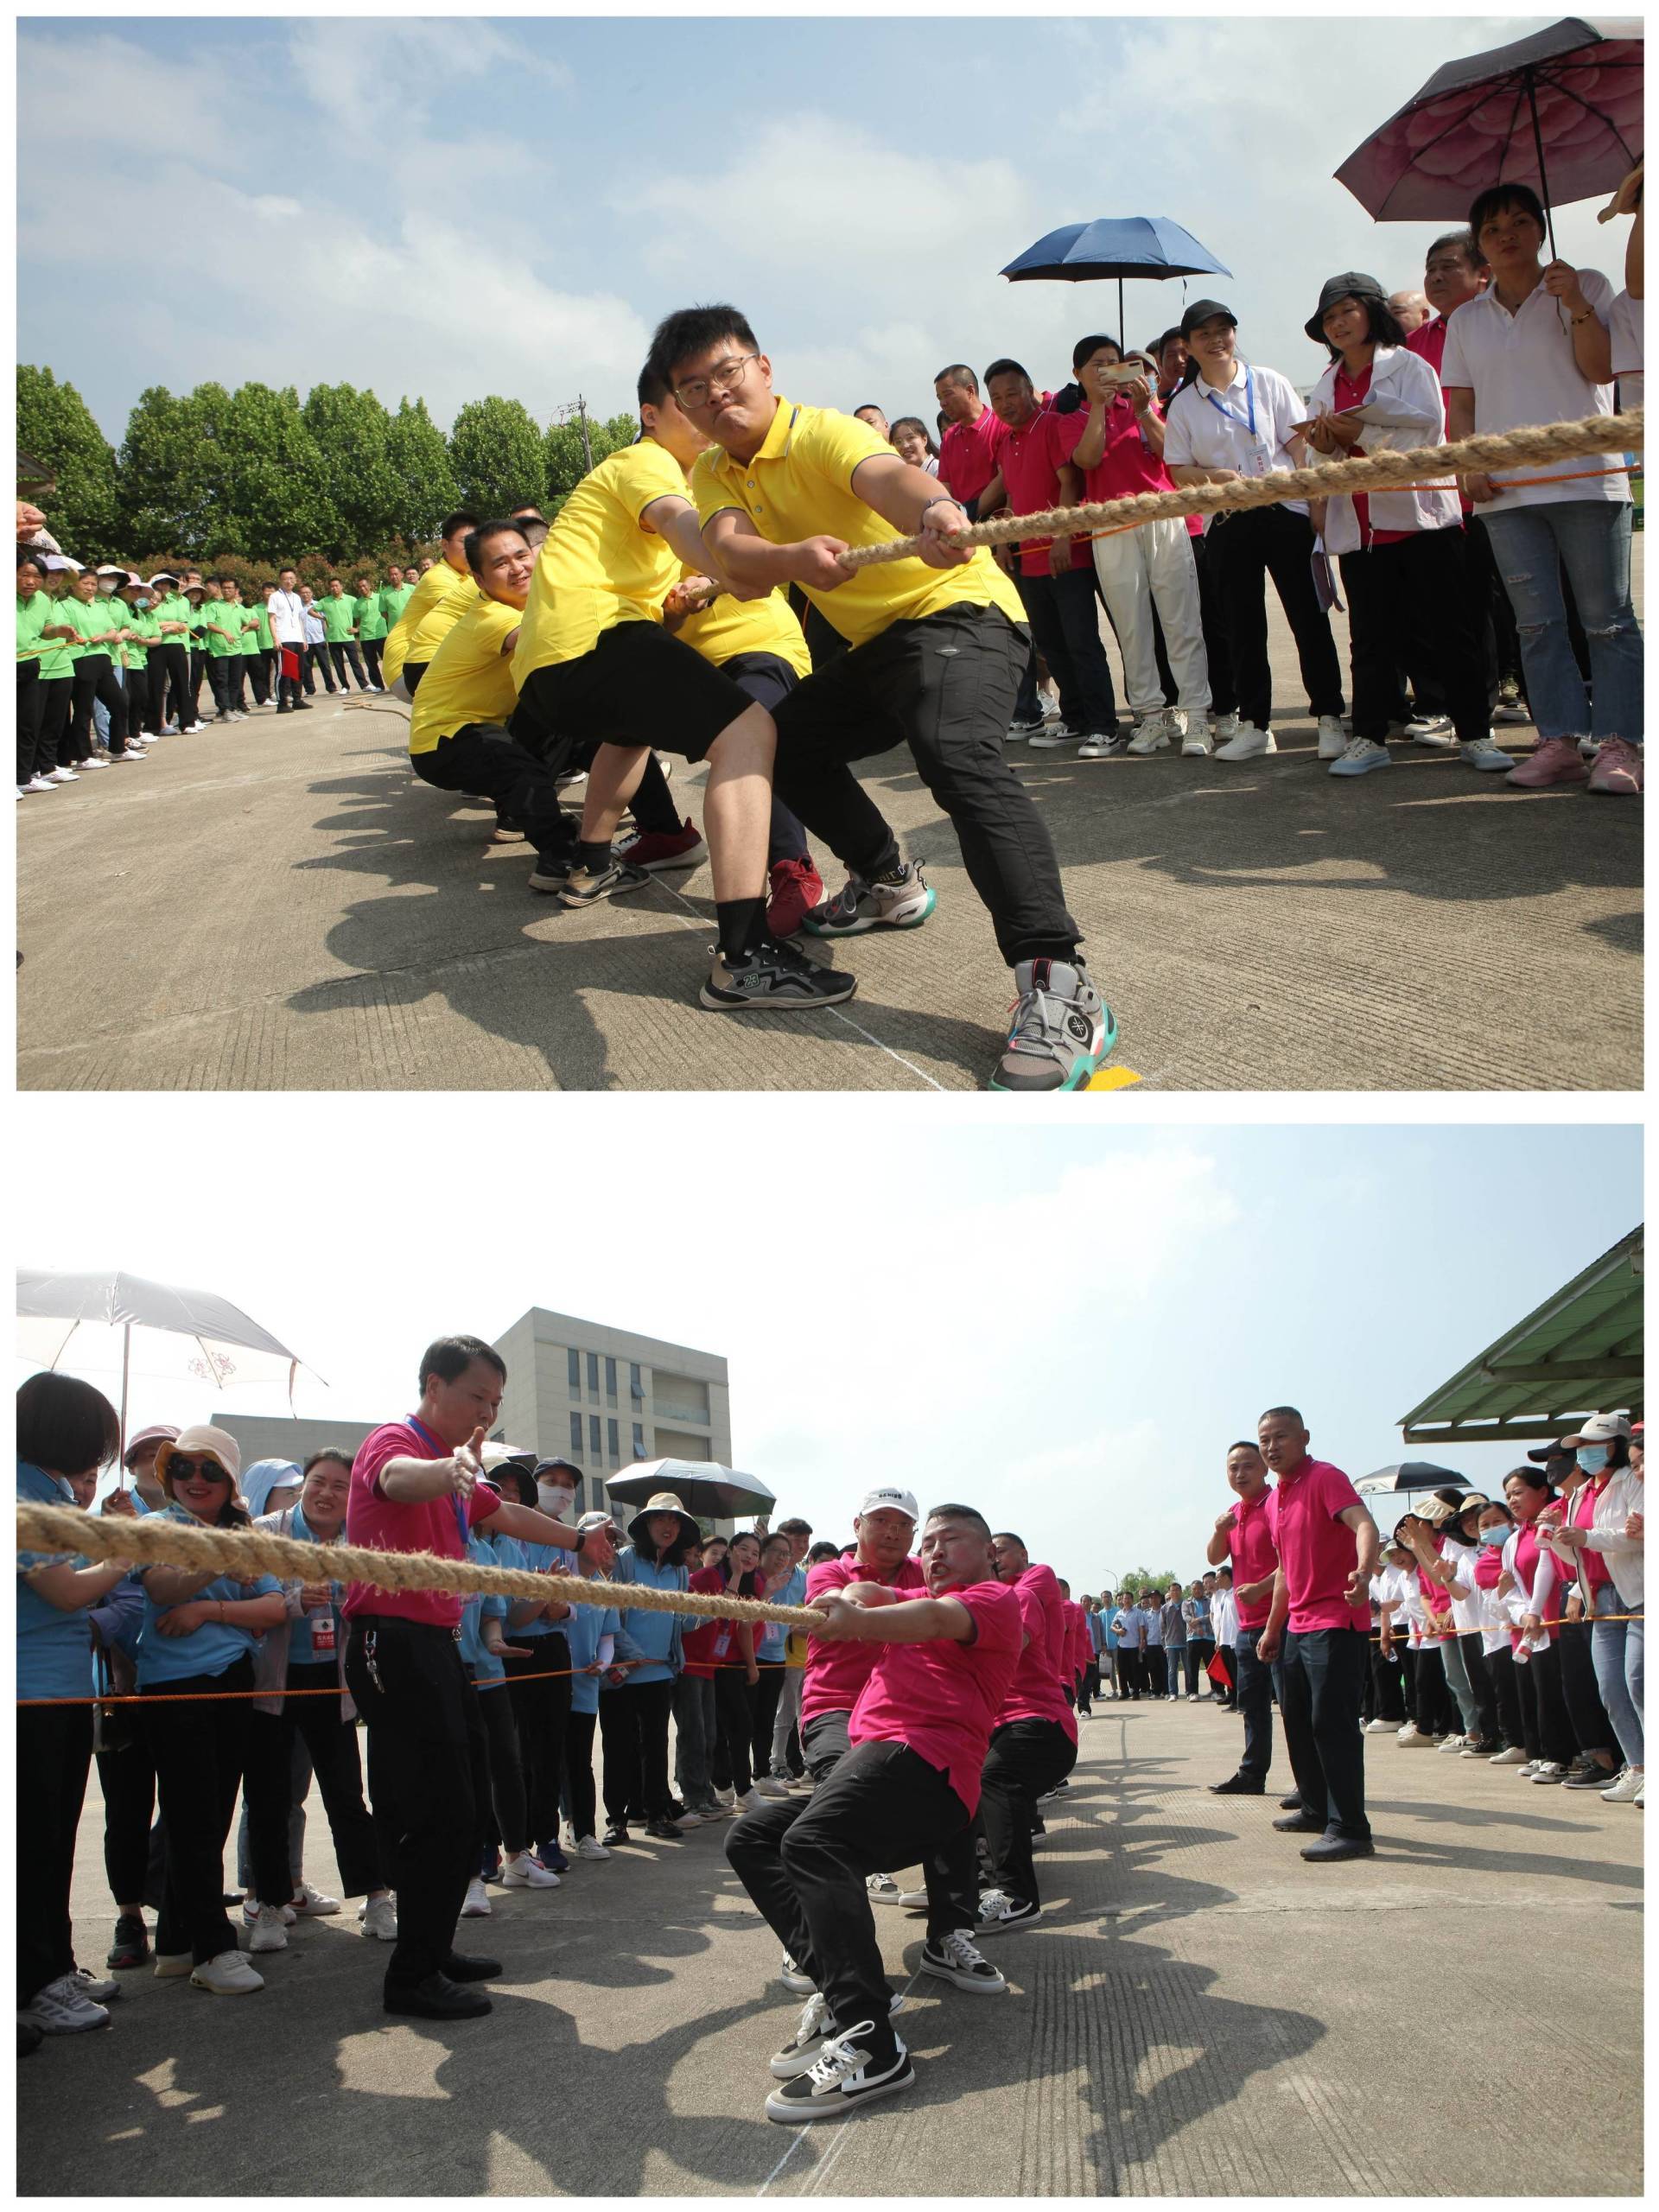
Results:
998 1911
132 1944
436 1998
664 1831
955 1958
584 889
843 2076
612 1836
466 1965
551 871
774 974
1237 1785
301 706
1290 1804
1299 1824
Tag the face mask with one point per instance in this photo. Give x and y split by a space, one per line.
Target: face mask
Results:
554 1501
141 600
1494 1535
106 585
1593 1458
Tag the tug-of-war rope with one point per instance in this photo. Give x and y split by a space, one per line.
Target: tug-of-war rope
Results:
244 1553
1379 472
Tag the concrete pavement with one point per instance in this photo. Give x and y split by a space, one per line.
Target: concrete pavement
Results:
280 905
1198 2013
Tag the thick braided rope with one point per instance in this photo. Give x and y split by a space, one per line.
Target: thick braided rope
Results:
1375 472
247 1552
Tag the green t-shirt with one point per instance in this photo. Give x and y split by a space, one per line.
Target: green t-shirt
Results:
146 623
250 635
371 622
223 616
32 615
338 615
392 603
57 657
88 619
267 642
175 608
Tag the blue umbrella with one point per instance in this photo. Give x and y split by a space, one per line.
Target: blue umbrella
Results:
1120 246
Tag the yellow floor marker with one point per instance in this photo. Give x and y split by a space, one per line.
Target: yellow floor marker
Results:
1112 1079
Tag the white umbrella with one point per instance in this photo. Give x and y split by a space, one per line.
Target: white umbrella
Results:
92 1320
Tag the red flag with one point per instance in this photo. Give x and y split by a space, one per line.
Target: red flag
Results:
1219 1671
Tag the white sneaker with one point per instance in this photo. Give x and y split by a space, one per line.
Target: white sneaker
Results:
379 1919
1359 756
791 1977
40 783
61 776
190 728
1333 739
228 1975
1379 1728
92 761
1051 734
885 1890
587 1847
1623 1791
527 1873
305 1899
270 1934
1248 744
99 1988
1514 1756
1153 736
1412 1738
753 1802
169 1966
1227 727
1197 742
60 2009
768 1788
251 1909
1549 1771
1486 754
1433 730
477 1906
1453 1743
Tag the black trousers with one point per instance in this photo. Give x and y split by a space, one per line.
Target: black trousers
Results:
342 653
54 1750
172 695
289 687
1200 1650
1585 1709
1217 646
1322 1674
52 741
1501 1671
542 1711
1546 1730
1025 1759
502 1813
1063 614
219 666
951 1874
734 1726
413 671
332 1743
94 678
1130 1671
429 1768
767 1691
484 761
1251 544
30 701
203 1753
1387 1683
137 686
126 1779
1434 1708
1255 1700
944 686
1480 1683
633 1722
1420 583
316 661
579 1772
257 666
197 660
372 656
805 1866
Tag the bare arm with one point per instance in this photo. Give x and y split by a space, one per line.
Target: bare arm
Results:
69 1588
1267 1644
172 1585
675 522
1218 1551
913 1620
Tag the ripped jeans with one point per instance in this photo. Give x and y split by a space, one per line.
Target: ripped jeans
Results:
1591 539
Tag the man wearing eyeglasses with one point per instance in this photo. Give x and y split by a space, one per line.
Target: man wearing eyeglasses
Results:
939 643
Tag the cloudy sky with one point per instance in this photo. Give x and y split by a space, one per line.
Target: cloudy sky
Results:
1066 1328
445 208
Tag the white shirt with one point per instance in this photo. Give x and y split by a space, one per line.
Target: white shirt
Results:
1205 427
1461 1558
1223 1616
287 613
1624 321
1520 370
1620 1554
1405 386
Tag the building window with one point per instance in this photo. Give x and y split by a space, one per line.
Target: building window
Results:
636 1383
614 1442
638 1439
573 1358
610 1382
575 1432
598 1454
592 1374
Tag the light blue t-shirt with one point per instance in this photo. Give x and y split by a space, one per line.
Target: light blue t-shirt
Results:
485 1668
55 1648
209 1649
1154 1621
586 1625
534 1559
654 1637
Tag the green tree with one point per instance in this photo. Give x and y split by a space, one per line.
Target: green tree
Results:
162 480
271 479
565 461
419 460
352 431
495 450
55 425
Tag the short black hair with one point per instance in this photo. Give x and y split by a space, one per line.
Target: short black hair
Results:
1008 1536
793 1527
1288 1412
1533 1478
693 330
449 1357
1244 1444
1498 199
65 1426
336 579
960 1513
1463 241
871 407
329 1451
1173 331
521 508
819 1553
1085 346
1006 368
473 546
654 386
957 373
31 556
462 519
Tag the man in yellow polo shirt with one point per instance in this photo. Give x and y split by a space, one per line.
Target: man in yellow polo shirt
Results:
938 645
458 741
440 597
596 666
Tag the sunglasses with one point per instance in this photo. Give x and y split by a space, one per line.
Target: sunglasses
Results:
209 1470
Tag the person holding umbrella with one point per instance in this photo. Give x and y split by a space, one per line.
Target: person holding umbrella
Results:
1535 347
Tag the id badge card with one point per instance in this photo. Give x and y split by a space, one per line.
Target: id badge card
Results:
1255 462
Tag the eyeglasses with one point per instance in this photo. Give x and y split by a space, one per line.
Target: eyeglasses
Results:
725 376
209 1470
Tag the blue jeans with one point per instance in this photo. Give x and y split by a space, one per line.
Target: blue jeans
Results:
1591 539
1174 1662
100 712
1065 617
1616 1646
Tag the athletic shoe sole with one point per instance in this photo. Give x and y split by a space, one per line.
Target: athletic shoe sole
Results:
1086 1067
862 924
792 2112
977 1984
798 1001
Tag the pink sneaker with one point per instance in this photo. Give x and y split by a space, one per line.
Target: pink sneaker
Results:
1555 761
1617 769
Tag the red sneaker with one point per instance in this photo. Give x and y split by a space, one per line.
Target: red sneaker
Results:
658 853
796 887
1617 769
1555 761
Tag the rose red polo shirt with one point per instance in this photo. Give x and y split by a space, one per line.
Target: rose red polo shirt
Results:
1250 1546
438 1524
697 1644
968 455
1035 1692
1428 342
835 1673
941 1699
1077 1646
1316 1549
1030 461
1583 1515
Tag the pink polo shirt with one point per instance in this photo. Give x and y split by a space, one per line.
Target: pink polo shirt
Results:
1076 1639
1030 461
438 1524
968 455
1428 342
1250 1546
1035 1692
1583 1515
1315 1548
835 1673
942 1698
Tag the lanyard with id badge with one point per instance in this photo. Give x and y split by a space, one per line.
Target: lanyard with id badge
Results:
1258 460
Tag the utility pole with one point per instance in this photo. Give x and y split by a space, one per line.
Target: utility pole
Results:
578 407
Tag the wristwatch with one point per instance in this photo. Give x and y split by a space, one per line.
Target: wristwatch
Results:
581 1539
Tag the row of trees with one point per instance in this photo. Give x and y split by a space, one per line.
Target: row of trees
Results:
213 474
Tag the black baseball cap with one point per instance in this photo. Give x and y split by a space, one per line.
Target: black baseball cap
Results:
1200 311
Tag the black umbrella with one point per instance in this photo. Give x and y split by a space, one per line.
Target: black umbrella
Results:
1409 1474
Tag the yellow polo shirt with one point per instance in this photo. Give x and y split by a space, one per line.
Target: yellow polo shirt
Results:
469 678
596 567
800 485
727 627
439 601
